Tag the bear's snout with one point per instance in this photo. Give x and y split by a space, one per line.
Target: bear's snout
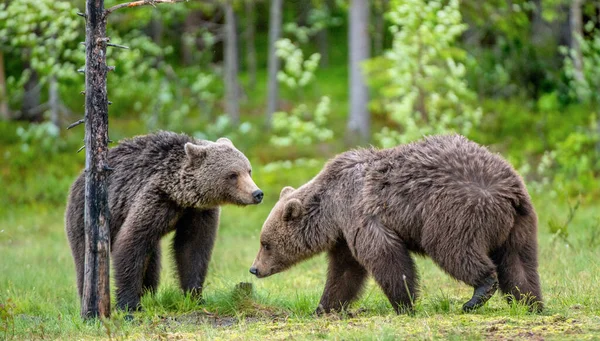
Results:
258 196
254 271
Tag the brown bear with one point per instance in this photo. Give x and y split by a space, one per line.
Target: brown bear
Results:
444 196
163 182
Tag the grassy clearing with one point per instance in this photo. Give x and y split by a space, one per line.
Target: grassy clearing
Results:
38 294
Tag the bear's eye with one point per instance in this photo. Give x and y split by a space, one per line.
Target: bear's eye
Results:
232 176
266 246
250 172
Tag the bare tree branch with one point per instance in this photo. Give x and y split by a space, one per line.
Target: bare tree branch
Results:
75 124
139 3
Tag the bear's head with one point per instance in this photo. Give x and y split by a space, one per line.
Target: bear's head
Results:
216 173
284 239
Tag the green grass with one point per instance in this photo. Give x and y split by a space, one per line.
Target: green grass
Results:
38 293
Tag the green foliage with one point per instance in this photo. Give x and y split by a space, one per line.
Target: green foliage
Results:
45 34
421 79
319 18
587 87
222 127
43 137
296 129
297 72
299 128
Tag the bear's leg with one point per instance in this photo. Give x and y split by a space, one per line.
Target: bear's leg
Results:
195 235
152 272
75 229
517 265
139 236
76 236
345 279
469 265
386 257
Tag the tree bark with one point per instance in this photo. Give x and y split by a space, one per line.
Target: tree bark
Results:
576 34
358 120
96 290
232 106
275 20
4 114
54 101
250 44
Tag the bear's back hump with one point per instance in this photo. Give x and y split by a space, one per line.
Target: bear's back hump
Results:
452 159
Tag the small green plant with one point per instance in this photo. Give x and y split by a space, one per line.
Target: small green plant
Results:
7 319
560 231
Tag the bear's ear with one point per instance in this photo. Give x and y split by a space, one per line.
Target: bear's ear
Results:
292 210
195 152
285 191
224 140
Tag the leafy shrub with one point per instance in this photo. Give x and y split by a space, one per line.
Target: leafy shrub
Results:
421 79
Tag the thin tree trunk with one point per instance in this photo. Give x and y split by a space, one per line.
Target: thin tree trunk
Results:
250 44
359 120
232 106
187 41
31 97
54 101
96 289
576 34
156 28
4 114
302 9
379 28
323 43
275 20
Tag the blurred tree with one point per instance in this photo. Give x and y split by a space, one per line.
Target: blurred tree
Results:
380 8
232 105
275 20
4 114
250 42
358 129
576 33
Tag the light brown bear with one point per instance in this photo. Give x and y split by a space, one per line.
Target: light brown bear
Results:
163 182
443 196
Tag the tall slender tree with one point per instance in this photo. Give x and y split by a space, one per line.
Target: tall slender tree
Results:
576 34
4 114
275 21
250 41
232 105
358 37
96 284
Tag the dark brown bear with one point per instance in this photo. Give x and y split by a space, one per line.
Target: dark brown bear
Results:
160 183
444 196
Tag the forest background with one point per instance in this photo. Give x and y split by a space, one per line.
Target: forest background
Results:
292 83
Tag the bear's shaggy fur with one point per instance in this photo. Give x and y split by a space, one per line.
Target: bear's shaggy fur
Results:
443 196
162 182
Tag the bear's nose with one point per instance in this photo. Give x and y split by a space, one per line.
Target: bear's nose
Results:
254 271
257 195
